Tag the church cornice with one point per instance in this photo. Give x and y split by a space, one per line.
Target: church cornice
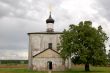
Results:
46 33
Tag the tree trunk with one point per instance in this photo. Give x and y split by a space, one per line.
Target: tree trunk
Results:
87 67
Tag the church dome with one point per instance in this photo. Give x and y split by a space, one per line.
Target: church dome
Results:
50 19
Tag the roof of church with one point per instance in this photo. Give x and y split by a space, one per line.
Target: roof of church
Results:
44 51
46 33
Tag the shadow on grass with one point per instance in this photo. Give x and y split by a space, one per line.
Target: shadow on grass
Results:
82 71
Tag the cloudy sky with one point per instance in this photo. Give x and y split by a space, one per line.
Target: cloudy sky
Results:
19 17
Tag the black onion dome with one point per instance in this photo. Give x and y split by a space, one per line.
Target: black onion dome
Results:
50 20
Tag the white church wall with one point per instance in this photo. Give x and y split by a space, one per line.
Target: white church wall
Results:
40 61
40 64
40 41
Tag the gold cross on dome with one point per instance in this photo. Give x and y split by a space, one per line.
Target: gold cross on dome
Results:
50 7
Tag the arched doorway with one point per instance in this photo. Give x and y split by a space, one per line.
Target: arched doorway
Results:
49 65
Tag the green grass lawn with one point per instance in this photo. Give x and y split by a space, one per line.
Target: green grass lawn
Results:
76 69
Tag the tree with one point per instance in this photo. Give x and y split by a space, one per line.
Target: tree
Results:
109 57
85 42
109 54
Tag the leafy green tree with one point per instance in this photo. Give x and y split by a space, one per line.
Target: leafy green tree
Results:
85 42
109 57
109 54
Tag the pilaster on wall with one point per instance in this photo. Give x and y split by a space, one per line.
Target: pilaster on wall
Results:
30 54
69 62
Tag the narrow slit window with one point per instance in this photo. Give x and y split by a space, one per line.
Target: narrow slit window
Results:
50 45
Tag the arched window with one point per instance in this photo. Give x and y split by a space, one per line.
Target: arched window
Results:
49 64
50 45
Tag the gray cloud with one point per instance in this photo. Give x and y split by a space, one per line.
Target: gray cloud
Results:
103 8
18 17
13 34
25 8
12 54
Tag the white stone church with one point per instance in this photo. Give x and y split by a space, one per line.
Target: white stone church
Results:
43 49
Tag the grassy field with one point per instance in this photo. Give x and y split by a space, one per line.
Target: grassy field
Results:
76 69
